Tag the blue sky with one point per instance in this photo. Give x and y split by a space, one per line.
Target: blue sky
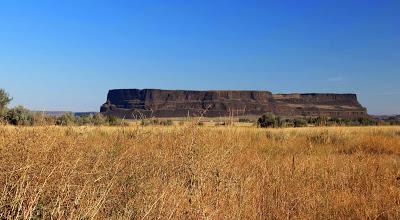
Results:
66 54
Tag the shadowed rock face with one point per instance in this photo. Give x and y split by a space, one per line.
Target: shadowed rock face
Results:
135 103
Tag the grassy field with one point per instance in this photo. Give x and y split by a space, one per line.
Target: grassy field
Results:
194 172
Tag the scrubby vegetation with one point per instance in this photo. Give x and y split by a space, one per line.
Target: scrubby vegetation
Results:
192 172
155 121
269 120
22 116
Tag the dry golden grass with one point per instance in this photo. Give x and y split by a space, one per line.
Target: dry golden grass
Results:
192 172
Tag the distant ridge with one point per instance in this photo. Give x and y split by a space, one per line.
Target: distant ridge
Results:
59 113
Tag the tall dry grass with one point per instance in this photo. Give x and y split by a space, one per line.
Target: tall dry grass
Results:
191 172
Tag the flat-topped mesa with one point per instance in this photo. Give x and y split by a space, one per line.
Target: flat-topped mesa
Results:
135 103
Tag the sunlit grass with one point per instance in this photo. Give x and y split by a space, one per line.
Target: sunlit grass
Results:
194 172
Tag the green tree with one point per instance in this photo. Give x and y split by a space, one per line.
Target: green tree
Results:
5 99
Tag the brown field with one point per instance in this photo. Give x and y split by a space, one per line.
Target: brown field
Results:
193 172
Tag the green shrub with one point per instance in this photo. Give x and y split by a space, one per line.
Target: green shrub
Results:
94 119
66 119
300 122
156 121
366 121
112 120
321 121
86 119
268 120
99 119
19 116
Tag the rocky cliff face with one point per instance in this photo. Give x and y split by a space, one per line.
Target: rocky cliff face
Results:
135 103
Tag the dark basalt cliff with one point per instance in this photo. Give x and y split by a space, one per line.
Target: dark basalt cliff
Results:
135 103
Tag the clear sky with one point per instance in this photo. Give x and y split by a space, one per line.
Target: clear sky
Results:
66 54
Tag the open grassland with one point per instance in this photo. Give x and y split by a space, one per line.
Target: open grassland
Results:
192 172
